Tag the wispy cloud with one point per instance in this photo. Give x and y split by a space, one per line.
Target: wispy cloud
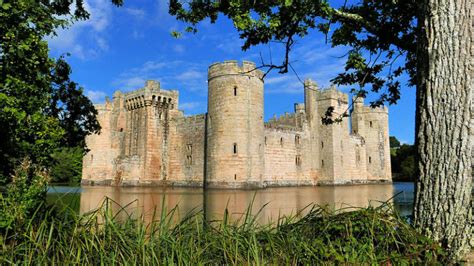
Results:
137 13
93 30
190 106
176 74
96 96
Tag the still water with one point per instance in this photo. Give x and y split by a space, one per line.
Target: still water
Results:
270 203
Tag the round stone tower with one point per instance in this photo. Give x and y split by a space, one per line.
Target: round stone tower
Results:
235 129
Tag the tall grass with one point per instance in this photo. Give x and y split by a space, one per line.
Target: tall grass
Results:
363 236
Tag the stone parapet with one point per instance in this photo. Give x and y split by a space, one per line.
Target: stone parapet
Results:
232 67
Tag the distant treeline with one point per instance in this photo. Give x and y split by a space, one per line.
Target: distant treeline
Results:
403 160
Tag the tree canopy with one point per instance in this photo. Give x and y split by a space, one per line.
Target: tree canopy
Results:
41 108
378 32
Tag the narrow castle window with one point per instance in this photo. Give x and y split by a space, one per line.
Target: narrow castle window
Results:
298 160
235 91
121 129
281 141
322 144
370 123
235 148
189 159
189 148
297 139
322 163
265 141
370 159
235 177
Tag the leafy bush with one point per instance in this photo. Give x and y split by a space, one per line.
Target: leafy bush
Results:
67 165
24 196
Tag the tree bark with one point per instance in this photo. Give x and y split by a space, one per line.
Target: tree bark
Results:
442 208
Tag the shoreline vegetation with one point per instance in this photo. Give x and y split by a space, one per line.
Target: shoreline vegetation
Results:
369 235
35 232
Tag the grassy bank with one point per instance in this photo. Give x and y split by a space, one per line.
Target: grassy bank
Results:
370 235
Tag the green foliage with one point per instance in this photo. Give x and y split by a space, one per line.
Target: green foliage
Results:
364 236
22 198
403 163
381 35
41 109
67 165
407 168
394 142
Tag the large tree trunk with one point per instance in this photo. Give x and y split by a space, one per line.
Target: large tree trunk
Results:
443 191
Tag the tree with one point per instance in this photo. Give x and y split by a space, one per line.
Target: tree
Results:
41 109
67 166
431 37
394 142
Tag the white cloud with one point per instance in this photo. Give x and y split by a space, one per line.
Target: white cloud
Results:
189 106
191 74
171 74
277 79
130 83
96 96
135 12
92 30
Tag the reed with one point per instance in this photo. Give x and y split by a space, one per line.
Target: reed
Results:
374 235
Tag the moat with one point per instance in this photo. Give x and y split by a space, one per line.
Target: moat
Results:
271 202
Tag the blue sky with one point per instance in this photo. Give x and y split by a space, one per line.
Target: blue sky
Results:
120 48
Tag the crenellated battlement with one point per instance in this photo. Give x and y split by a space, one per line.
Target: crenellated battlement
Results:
146 140
332 93
151 95
232 67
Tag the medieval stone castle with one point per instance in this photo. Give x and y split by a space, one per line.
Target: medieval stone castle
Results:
147 140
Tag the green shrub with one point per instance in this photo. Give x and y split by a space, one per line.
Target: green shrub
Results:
24 196
67 165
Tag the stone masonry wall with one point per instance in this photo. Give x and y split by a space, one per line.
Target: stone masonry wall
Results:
146 140
187 152
287 158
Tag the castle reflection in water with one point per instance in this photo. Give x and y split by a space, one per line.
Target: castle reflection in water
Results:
149 201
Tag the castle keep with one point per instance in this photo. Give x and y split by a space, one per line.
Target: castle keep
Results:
147 140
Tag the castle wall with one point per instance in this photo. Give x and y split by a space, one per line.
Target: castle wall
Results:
99 163
287 158
146 140
372 125
235 125
187 153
